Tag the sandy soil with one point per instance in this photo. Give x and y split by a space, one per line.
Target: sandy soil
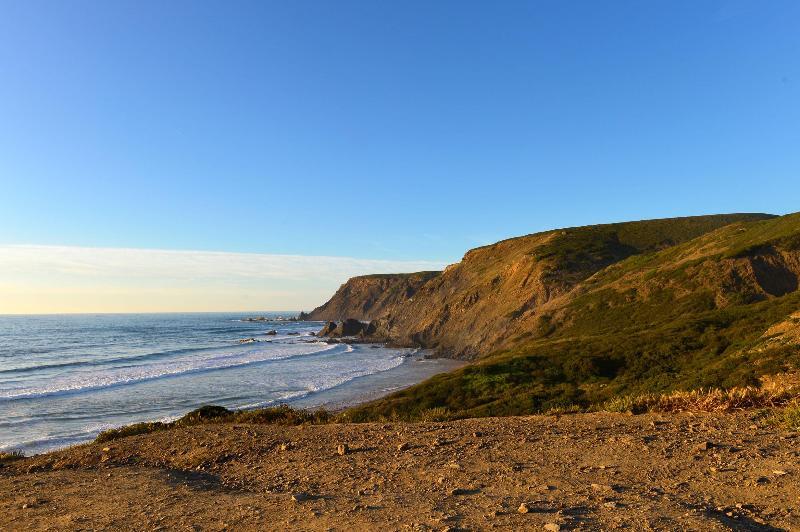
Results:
585 472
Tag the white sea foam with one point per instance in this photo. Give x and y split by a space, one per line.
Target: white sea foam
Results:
66 378
88 379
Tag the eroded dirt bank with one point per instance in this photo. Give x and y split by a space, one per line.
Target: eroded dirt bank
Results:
587 472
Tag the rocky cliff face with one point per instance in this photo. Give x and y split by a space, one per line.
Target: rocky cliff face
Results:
517 289
575 318
369 297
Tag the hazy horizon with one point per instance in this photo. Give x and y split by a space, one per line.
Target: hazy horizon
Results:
62 279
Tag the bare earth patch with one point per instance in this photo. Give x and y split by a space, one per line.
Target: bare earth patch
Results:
587 472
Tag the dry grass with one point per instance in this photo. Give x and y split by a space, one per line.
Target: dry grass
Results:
776 391
791 416
10 456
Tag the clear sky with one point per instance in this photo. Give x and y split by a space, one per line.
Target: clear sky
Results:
398 132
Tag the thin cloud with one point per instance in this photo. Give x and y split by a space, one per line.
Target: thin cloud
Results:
76 279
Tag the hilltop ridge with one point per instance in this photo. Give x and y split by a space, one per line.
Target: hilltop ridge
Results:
575 317
497 291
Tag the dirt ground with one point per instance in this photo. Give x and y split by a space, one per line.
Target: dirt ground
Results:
578 472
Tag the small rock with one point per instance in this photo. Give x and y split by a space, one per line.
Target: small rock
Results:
779 472
459 491
343 449
106 449
403 447
524 508
300 497
552 527
704 446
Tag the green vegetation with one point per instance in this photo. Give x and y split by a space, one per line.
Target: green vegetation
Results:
791 417
655 323
10 456
698 350
277 415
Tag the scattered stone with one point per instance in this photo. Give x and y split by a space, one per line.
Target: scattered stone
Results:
524 508
460 491
403 447
106 449
704 446
301 497
273 332
779 472
343 449
552 527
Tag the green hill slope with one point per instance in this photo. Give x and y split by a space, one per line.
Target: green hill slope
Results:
616 310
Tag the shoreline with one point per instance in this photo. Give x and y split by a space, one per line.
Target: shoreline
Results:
413 369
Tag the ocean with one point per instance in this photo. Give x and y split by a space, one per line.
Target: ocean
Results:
65 378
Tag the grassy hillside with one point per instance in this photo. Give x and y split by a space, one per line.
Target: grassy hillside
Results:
672 315
497 292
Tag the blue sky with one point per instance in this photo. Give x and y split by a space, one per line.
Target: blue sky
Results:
396 131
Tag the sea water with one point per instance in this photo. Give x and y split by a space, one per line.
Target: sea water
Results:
65 378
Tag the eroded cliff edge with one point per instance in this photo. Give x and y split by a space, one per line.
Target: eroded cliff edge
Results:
520 288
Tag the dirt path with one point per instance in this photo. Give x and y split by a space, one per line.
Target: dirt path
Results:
586 472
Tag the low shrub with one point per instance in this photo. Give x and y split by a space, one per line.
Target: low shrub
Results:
791 416
10 456
131 430
275 415
711 400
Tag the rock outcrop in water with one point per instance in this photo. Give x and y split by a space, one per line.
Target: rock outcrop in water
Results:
346 328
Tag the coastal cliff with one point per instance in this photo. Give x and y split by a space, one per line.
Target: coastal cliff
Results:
500 294
369 297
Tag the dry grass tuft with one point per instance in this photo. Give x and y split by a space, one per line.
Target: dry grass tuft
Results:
775 392
10 456
791 416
